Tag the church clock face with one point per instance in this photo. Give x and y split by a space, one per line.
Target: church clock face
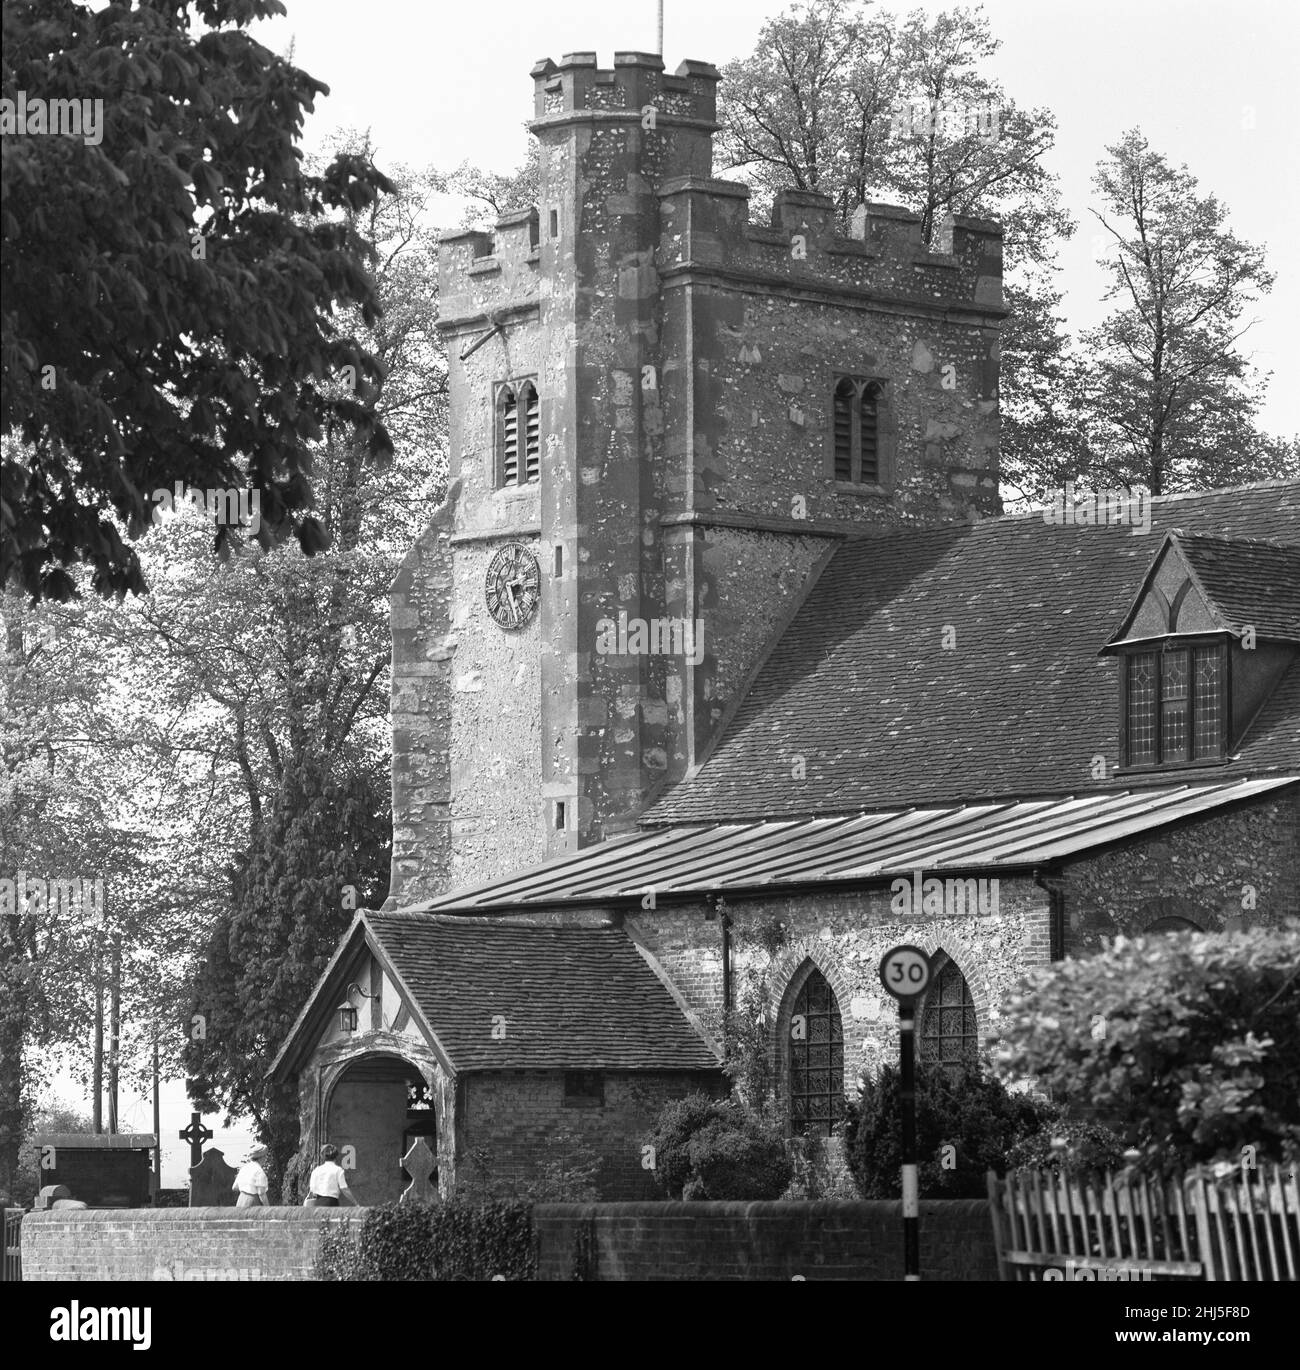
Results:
513 586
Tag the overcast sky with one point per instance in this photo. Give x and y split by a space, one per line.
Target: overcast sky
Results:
1212 83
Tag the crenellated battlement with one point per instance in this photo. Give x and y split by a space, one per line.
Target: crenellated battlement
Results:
704 224
576 86
480 271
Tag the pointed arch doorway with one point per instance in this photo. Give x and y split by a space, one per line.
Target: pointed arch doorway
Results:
378 1106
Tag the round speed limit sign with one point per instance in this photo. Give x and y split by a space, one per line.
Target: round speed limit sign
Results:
905 972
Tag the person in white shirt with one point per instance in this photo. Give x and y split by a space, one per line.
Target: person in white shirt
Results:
251 1181
328 1185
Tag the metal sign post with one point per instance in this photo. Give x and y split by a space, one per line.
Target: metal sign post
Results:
905 973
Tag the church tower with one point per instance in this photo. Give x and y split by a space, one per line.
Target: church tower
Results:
663 419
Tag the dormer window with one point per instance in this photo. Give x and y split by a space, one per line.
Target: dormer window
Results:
1174 706
518 442
1213 628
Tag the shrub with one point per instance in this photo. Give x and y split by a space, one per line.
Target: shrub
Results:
336 1256
451 1241
1088 1147
965 1126
711 1149
1191 1044
737 1159
677 1122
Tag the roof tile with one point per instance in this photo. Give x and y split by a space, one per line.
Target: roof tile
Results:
863 688
571 998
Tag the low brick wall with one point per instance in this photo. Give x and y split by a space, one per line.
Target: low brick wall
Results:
175 1243
761 1241
632 1241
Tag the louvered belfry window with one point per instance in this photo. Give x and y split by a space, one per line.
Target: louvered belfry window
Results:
816 1059
532 429
519 433
855 423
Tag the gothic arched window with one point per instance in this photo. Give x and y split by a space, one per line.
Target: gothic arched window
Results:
855 431
816 1059
949 1031
519 449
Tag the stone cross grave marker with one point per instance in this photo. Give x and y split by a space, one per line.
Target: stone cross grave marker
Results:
196 1134
210 1181
418 1163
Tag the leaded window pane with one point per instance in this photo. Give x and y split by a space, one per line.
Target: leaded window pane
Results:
817 1060
1174 705
949 1031
1141 709
1207 702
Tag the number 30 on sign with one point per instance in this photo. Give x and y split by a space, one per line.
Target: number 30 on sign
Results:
905 972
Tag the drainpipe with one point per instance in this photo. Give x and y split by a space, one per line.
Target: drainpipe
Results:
717 908
724 918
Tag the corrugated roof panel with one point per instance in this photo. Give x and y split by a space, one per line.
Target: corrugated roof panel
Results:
737 856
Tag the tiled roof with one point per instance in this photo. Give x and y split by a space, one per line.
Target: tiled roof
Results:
1248 581
962 664
727 858
570 998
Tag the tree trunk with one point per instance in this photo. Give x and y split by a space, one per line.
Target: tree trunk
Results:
13 1019
97 1068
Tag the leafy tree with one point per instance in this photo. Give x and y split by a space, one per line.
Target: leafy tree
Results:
49 1117
492 194
325 837
810 107
312 742
61 818
1175 396
236 700
1189 1043
169 291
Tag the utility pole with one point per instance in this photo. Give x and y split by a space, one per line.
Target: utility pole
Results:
661 28
156 1178
114 1031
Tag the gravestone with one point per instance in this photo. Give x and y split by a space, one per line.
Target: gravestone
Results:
211 1180
419 1163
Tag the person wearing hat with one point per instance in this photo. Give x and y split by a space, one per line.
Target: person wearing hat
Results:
251 1181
